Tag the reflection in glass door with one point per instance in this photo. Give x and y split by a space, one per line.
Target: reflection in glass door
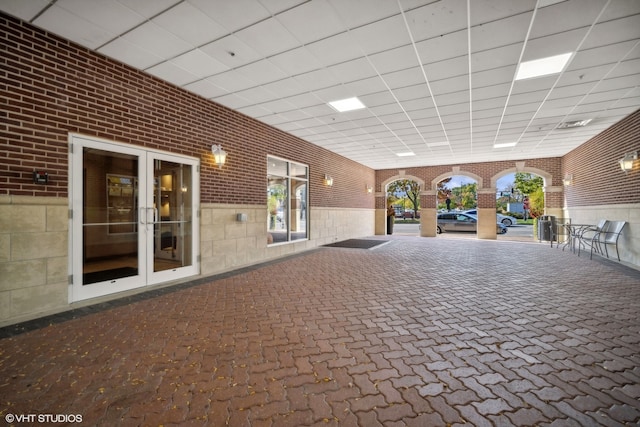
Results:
172 215
110 239
132 216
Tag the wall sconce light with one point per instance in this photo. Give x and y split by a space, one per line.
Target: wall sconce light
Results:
369 189
568 179
328 181
219 155
626 163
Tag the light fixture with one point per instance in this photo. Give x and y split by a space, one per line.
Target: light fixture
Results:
328 181
369 189
573 124
406 154
543 66
505 144
568 179
626 163
219 155
349 104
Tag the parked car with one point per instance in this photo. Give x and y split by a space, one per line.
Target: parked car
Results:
505 220
462 221
410 214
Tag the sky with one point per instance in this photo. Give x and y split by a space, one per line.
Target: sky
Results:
503 183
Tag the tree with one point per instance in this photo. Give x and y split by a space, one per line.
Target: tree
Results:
465 196
536 203
408 188
527 183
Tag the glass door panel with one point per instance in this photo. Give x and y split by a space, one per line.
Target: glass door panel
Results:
110 238
172 204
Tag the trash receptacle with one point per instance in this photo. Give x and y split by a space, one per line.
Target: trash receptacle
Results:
546 225
390 221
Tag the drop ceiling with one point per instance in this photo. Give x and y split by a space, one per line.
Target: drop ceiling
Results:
437 78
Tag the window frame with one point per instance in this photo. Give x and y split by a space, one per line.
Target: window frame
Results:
288 180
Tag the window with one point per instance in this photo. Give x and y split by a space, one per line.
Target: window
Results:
286 200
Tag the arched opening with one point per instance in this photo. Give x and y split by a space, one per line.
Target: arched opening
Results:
457 197
402 201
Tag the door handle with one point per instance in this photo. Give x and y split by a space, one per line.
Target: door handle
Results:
142 214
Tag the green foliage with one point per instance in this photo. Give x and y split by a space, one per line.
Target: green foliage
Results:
527 183
406 188
536 203
465 196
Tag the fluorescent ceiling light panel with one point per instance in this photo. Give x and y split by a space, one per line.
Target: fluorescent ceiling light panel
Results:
543 66
348 104
406 154
505 145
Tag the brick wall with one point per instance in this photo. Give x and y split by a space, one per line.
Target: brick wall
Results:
52 87
597 177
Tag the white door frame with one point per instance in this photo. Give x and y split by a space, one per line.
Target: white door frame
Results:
146 276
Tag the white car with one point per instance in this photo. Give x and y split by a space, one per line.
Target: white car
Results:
505 220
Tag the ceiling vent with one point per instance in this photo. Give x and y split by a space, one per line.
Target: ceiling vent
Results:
574 124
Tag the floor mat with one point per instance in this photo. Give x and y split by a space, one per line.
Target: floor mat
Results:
116 273
357 244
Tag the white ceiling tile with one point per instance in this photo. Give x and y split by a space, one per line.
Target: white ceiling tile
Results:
394 59
613 32
172 73
311 21
437 18
25 10
554 44
73 27
296 61
125 51
333 50
231 51
108 14
353 70
205 89
488 11
382 35
233 15
190 24
199 63
566 16
500 33
285 87
262 72
268 37
355 13
231 81
155 39
445 47
148 9
317 79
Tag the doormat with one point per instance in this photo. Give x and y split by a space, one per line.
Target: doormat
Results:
357 244
102 276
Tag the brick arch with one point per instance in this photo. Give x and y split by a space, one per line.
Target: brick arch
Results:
436 180
388 181
547 178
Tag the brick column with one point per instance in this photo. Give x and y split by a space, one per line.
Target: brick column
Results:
428 213
487 213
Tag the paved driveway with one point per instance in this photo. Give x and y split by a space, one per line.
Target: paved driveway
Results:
416 332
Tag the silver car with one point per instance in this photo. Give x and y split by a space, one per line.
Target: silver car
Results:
460 221
505 220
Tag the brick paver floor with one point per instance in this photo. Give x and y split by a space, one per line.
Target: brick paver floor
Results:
417 332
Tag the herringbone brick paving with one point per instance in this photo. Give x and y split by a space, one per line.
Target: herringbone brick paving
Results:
418 332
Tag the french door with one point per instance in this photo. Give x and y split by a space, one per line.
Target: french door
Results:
134 217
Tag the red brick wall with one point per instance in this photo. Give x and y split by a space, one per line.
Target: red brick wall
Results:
51 87
597 177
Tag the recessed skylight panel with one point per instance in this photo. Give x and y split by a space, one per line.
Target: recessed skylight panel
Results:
349 104
543 66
